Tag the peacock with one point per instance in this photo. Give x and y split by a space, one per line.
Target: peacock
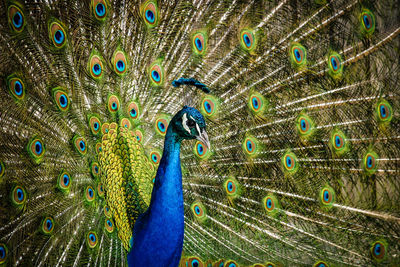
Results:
199 133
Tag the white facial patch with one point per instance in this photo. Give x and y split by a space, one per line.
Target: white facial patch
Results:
198 129
184 123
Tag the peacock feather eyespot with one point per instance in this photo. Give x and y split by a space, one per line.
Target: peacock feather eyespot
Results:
269 264
120 63
383 112
256 103
80 144
247 39
149 12
156 73
133 110
18 195
125 123
161 124
201 151
199 212
305 126
16 87
378 250
64 181
218 263
231 263
94 125
335 65
98 147
61 99
327 196
91 239
57 34
3 253
155 156
298 55
139 135
96 66
194 262
100 190
258 265
367 19
339 142
95 169
199 42
320 264
105 128
232 188
209 106
113 103
250 146
271 204
16 18
89 194
47 225
36 149
370 162
109 225
290 162
107 212
100 9
2 169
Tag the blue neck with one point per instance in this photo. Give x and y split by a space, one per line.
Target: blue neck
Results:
158 233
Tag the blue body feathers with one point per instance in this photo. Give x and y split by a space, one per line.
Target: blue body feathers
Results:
159 231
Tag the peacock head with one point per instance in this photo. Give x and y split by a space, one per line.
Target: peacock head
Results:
188 123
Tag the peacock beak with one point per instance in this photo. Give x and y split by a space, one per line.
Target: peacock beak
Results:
203 137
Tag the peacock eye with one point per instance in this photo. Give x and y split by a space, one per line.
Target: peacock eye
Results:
191 123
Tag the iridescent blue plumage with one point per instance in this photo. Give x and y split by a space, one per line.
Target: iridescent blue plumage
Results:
159 231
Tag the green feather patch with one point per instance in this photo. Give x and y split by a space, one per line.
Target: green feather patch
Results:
327 196
199 212
36 149
47 225
248 40
16 87
91 239
199 42
271 204
100 9
150 13
335 64
3 254
61 98
96 66
120 62
232 188
370 162
210 106
156 73
290 163
250 146
64 181
18 196
201 151
80 144
2 169
161 124
305 126
298 55
16 17
338 142
367 22
57 33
